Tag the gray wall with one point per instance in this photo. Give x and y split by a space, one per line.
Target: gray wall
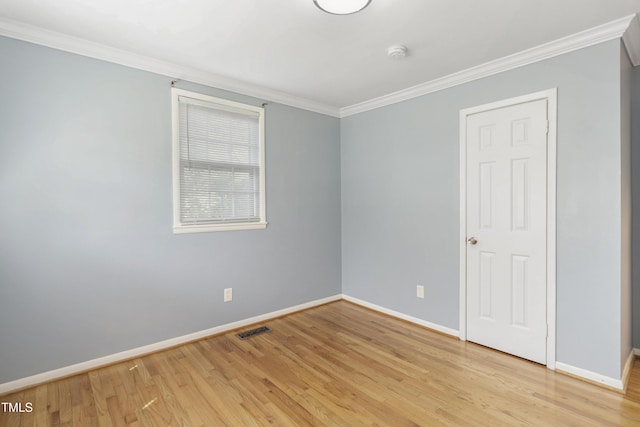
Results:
88 262
400 201
89 265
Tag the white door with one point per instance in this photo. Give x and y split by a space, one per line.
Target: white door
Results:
506 202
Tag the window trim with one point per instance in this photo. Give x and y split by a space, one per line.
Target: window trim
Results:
178 226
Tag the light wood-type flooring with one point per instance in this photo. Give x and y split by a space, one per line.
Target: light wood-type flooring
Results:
333 365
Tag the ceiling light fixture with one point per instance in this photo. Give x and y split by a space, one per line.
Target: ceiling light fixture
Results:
342 7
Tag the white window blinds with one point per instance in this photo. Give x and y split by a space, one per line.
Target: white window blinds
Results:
220 162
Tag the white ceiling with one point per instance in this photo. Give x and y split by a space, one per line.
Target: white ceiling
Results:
291 47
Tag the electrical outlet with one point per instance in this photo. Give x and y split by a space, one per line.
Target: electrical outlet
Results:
420 291
228 294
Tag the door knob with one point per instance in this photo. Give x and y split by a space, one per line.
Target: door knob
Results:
472 240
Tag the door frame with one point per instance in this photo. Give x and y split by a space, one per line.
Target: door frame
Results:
551 95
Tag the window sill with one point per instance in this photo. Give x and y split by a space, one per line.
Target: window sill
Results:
206 228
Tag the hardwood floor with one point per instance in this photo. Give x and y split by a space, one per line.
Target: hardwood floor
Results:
334 365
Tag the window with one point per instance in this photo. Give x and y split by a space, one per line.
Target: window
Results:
218 164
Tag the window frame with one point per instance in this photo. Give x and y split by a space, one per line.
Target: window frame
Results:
178 226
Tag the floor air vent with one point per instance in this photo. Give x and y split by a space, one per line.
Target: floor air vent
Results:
253 332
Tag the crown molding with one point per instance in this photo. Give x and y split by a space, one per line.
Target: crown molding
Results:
29 33
627 28
609 31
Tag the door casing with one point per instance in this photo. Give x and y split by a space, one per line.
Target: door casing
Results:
551 96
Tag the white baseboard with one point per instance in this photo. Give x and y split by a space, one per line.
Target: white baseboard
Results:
79 368
590 376
20 384
434 326
626 372
618 384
